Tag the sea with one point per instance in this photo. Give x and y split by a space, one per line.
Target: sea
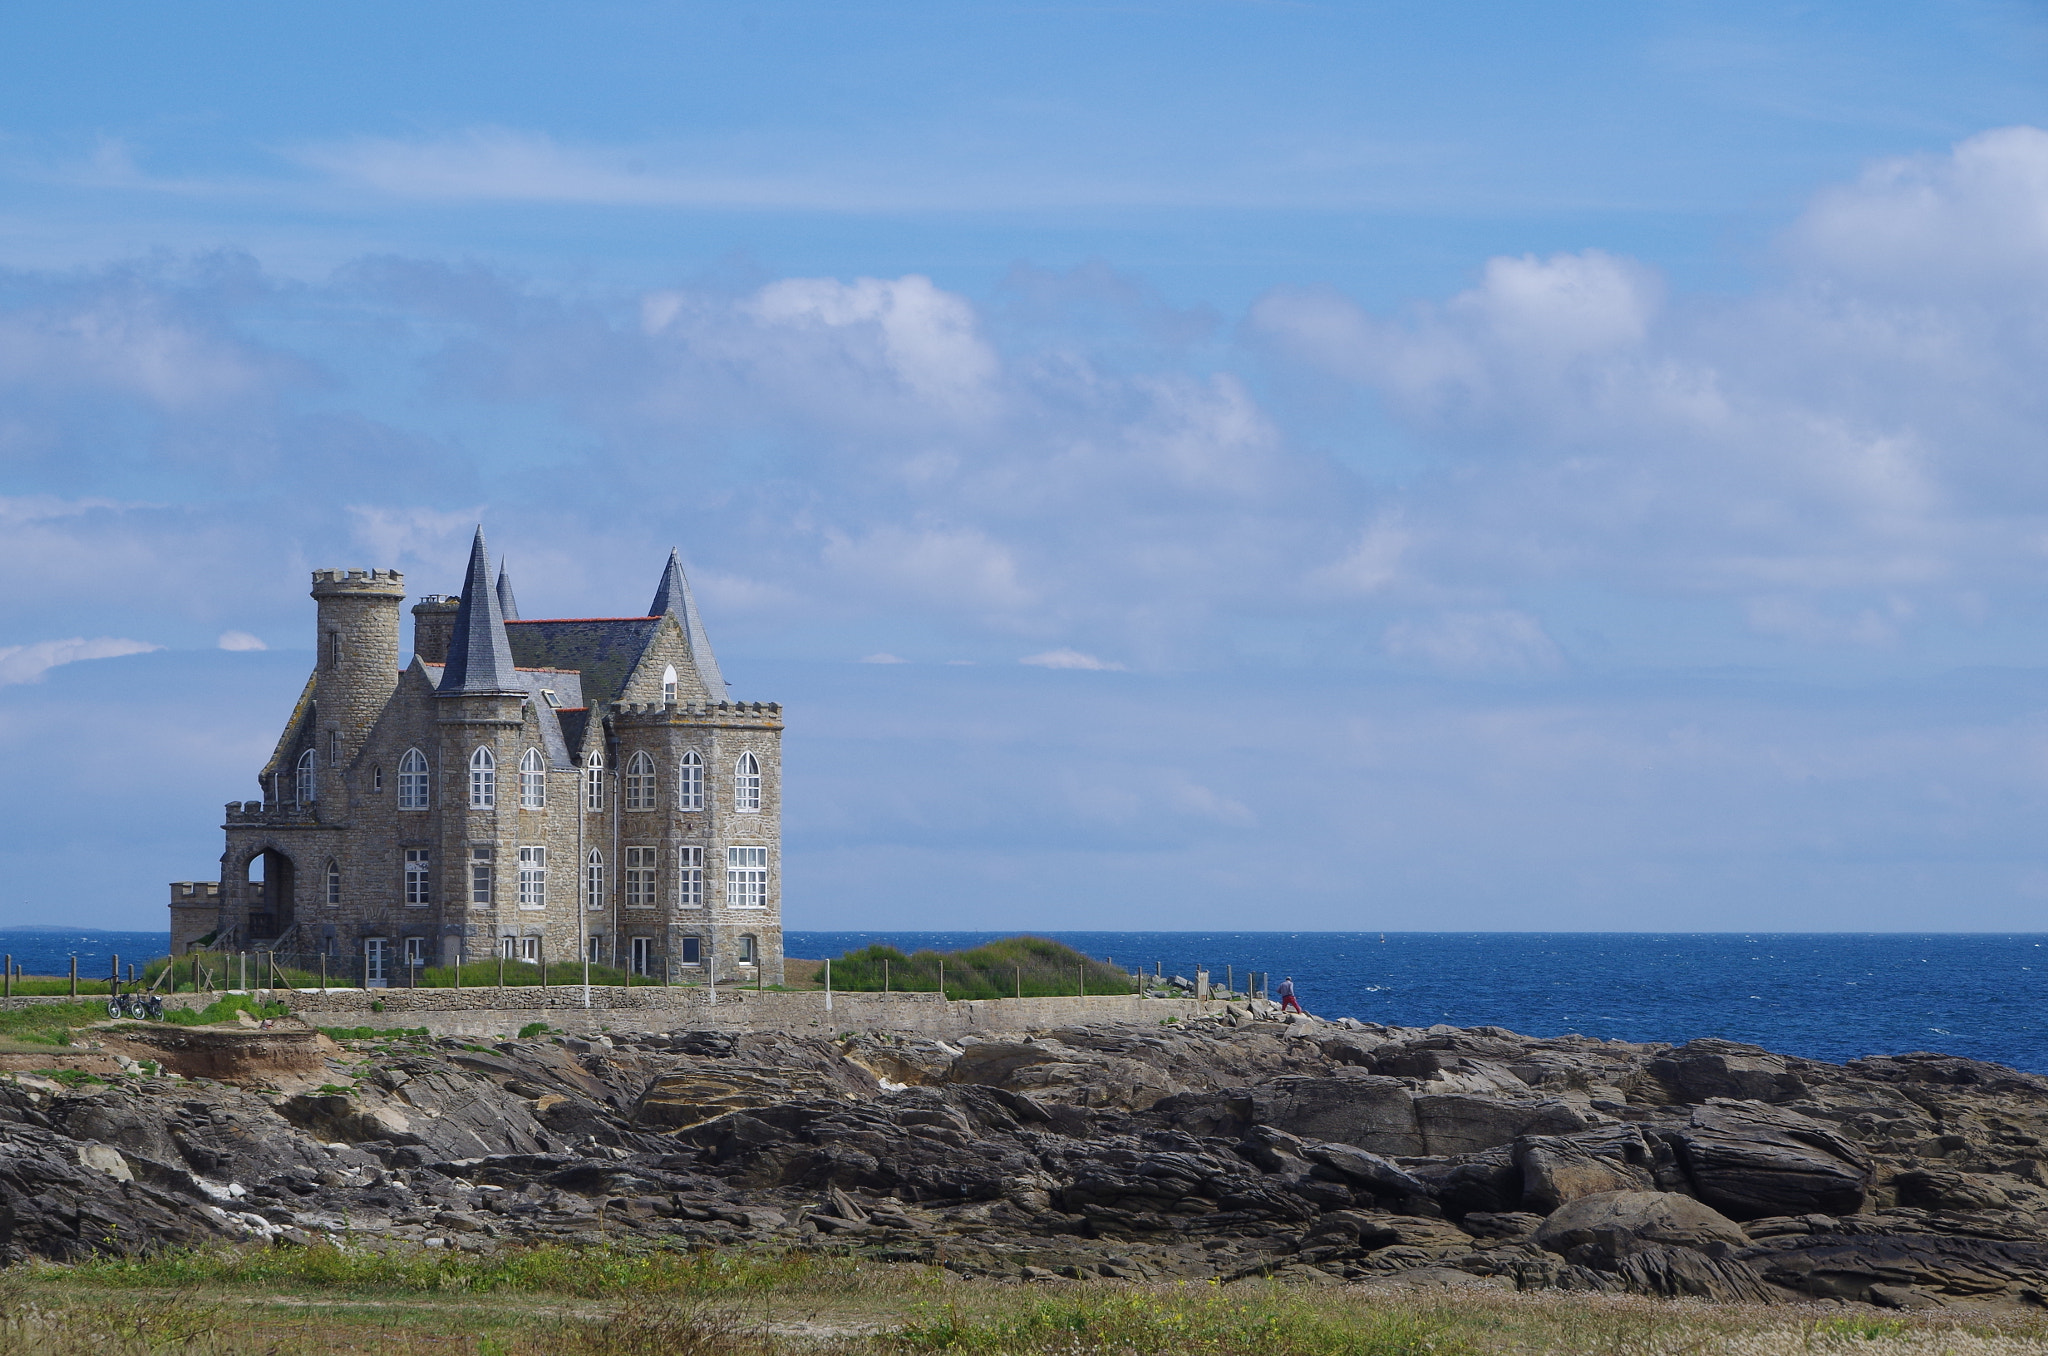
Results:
1832 996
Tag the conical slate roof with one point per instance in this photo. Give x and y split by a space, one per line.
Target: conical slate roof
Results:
479 655
508 606
674 596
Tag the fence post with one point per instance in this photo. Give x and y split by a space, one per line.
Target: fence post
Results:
7 979
942 981
885 975
114 979
74 977
458 969
323 972
542 951
828 984
1020 981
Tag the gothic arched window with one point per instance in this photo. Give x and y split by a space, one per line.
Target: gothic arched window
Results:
333 881
690 782
640 782
593 783
483 779
668 683
412 781
746 783
533 781
593 880
305 786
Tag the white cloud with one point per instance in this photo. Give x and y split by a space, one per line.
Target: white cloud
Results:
28 663
928 336
240 640
1070 659
1476 642
882 658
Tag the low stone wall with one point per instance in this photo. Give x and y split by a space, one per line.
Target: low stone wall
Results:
501 1012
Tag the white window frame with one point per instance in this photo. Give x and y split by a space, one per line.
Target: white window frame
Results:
508 947
594 948
306 779
640 781
746 784
483 779
749 949
412 780
376 962
533 877
641 882
415 953
689 877
640 955
746 877
334 748
333 882
419 877
533 781
483 875
593 784
593 880
690 781
668 685
529 950
690 944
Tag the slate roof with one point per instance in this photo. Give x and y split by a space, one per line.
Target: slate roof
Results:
674 596
479 659
601 649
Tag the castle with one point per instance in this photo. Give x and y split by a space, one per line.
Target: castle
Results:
537 790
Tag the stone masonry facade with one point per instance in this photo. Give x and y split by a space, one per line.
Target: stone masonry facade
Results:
548 789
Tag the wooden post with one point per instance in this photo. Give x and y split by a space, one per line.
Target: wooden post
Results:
501 965
1020 981
458 968
323 972
542 952
942 979
885 975
1082 992
828 984
74 977
114 979
7 977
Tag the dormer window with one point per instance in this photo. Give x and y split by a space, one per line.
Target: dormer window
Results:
547 694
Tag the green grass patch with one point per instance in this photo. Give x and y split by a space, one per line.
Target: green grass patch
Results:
375 1033
223 1009
546 1269
1033 967
1147 1322
50 1023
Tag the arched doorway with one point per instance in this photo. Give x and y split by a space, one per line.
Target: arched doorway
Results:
271 893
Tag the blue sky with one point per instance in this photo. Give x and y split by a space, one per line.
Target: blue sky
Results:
1199 464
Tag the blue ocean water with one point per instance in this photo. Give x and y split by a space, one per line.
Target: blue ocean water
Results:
1832 996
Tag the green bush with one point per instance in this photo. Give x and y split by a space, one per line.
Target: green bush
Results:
1042 968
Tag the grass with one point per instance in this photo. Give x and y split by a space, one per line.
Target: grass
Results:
1037 966
49 1023
321 1300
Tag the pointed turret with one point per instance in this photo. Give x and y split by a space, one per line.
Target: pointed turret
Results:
508 606
479 655
674 597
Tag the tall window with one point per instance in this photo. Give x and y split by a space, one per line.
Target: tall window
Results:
533 878
750 949
746 878
376 961
483 872
419 876
593 880
415 951
594 948
639 877
334 748
412 781
508 947
689 878
643 954
640 782
333 881
483 779
306 784
529 949
668 683
376 776
746 783
533 781
690 782
593 783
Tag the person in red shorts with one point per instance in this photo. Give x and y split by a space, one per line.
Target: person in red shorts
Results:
1287 1003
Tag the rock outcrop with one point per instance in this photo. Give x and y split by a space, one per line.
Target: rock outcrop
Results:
1233 1147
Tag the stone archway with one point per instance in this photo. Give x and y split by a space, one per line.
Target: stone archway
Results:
272 893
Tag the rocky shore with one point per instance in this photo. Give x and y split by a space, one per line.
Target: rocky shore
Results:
1229 1147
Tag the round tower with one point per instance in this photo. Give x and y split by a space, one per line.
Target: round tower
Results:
356 670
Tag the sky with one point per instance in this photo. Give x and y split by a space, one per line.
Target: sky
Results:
1210 464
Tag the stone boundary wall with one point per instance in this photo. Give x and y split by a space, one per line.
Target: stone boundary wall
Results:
501 1012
